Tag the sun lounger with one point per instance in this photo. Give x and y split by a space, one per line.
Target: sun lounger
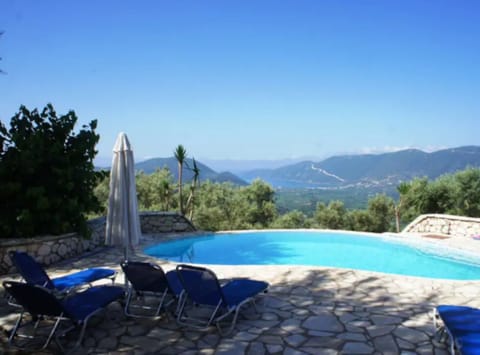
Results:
462 326
35 274
147 280
203 289
44 307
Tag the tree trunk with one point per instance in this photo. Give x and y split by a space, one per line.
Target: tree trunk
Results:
180 176
397 218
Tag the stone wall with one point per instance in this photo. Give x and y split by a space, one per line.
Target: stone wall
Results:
442 224
164 222
51 249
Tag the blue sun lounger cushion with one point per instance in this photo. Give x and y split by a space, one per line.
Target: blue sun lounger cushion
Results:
469 345
462 324
147 279
202 288
35 274
42 305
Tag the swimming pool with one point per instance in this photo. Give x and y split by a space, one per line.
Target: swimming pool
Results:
330 249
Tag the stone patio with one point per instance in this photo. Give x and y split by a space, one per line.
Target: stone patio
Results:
308 310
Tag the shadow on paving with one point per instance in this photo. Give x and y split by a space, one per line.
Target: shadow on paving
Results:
307 311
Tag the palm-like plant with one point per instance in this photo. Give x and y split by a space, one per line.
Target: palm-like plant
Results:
180 154
196 174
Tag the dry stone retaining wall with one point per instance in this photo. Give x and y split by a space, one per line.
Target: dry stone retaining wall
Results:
51 249
442 224
164 222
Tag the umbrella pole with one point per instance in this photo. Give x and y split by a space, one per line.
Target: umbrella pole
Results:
125 257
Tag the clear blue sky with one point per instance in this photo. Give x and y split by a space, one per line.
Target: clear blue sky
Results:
250 79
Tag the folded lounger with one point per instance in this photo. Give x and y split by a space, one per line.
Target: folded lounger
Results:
203 289
147 279
43 305
462 325
34 274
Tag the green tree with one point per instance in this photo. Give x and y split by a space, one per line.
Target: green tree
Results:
423 196
154 190
332 216
359 220
381 210
438 196
217 207
467 192
225 206
291 220
260 198
101 192
167 193
180 154
47 176
411 199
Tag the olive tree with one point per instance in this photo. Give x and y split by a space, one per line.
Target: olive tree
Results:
332 216
291 220
381 211
261 209
467 196
217 206
155 190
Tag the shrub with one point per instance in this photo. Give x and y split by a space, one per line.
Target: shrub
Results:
47 175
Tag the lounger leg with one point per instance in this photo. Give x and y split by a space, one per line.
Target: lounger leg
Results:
54 329
232 324
84 327
181 309
18 324
127 303
235 316
435 318
160 304
440 332
13 332
179 301
212 317
182 319
255 306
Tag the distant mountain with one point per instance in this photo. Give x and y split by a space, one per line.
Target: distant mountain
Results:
239 166
369 169
150 165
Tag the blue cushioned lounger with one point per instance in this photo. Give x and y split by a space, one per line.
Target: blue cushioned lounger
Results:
147 279
35 274
469 345
43 305
202 288
462 324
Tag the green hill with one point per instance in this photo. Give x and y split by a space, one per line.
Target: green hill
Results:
370 169
150 165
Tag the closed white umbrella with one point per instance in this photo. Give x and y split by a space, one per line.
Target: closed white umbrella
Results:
123 223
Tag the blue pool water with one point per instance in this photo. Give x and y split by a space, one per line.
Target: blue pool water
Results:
343 250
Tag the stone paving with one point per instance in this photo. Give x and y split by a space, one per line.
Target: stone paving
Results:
308 310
